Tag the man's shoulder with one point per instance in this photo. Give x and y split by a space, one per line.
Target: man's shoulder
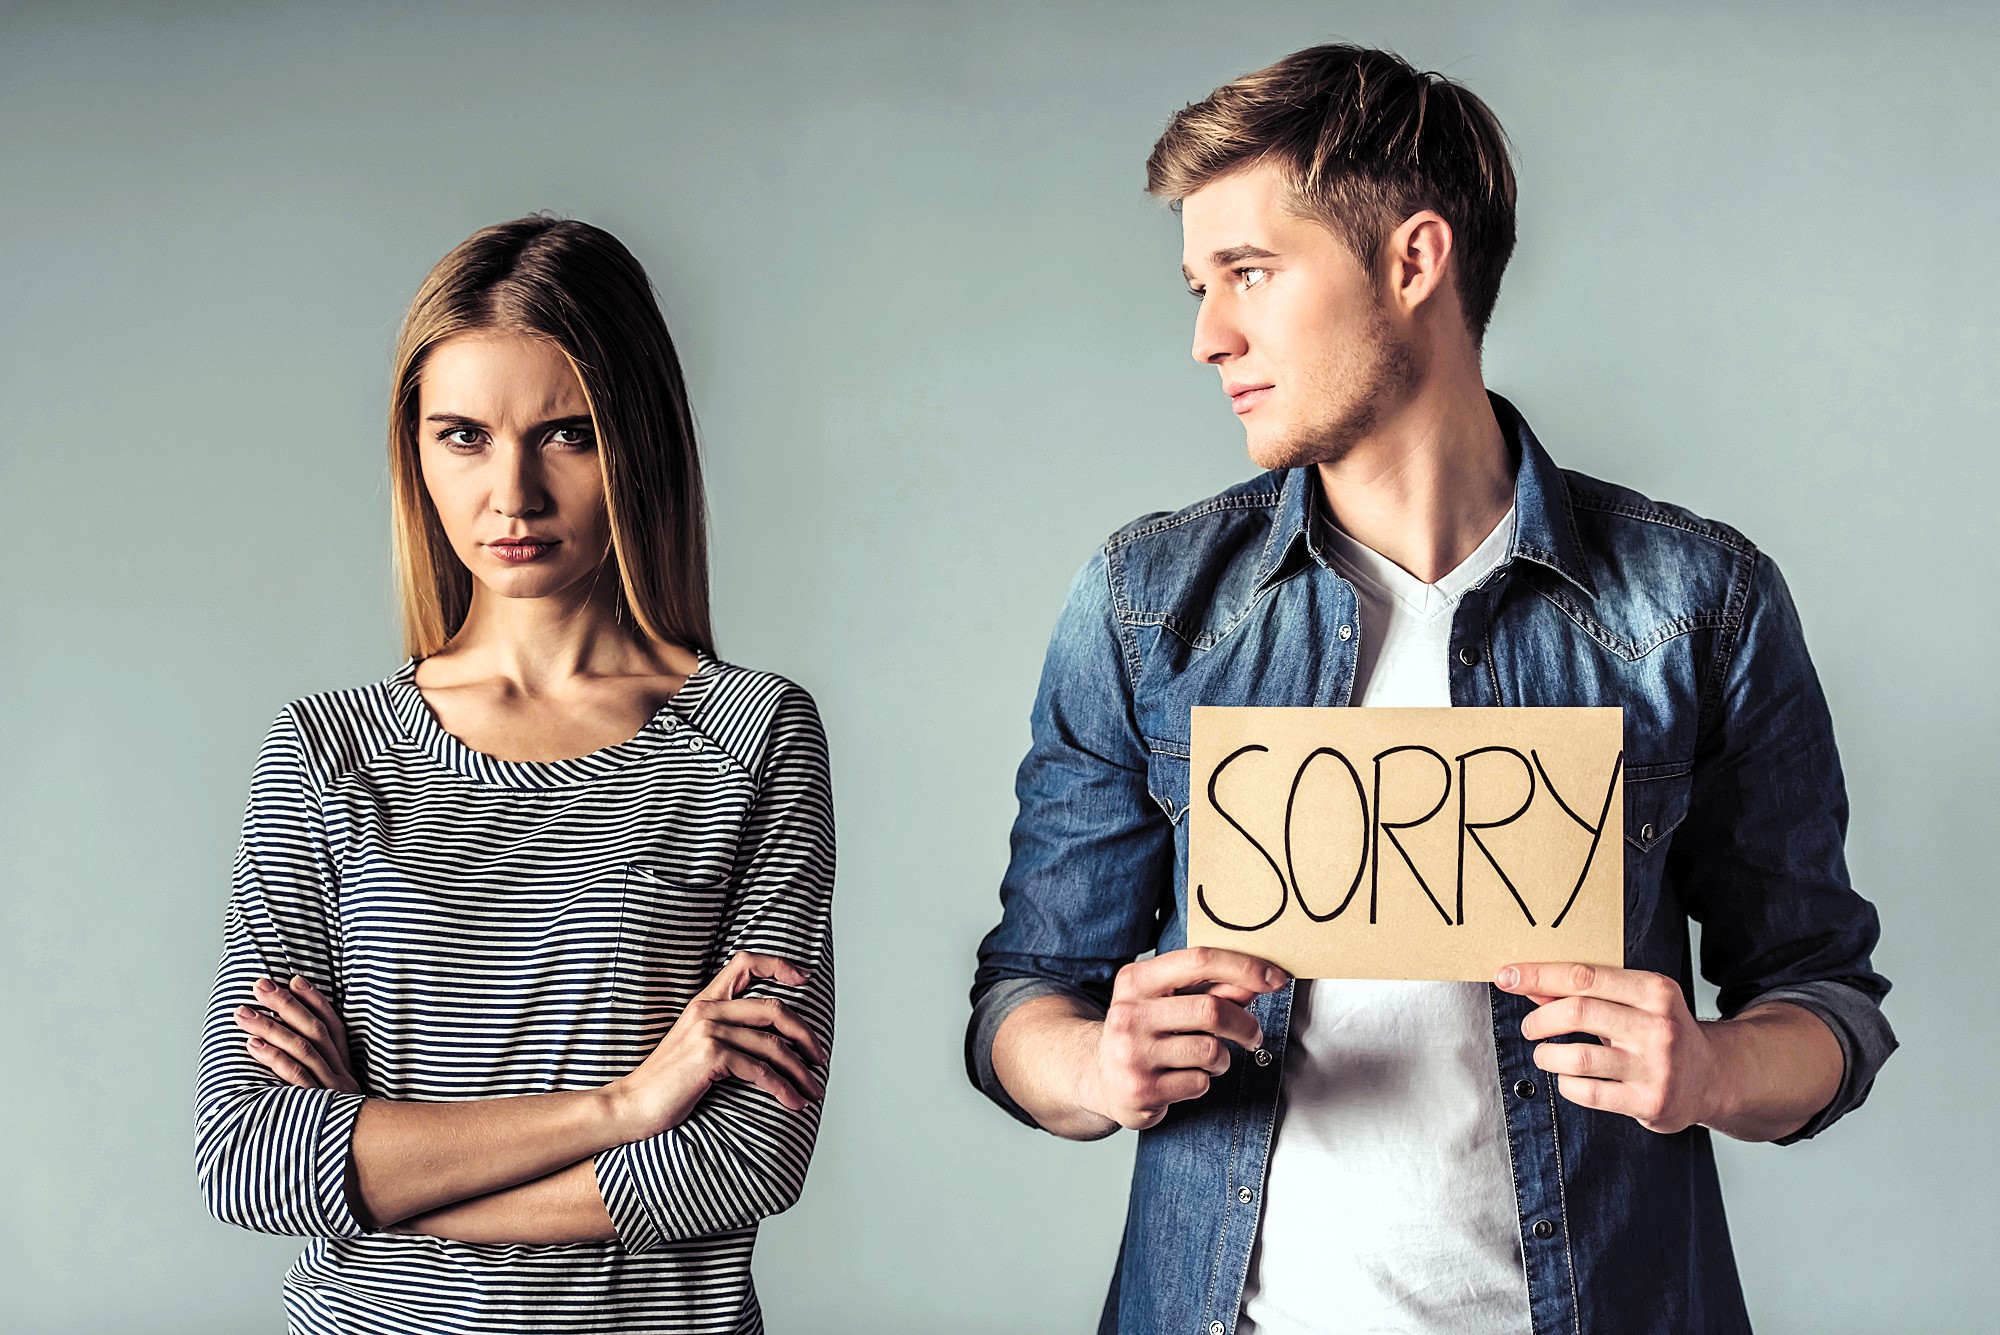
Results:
1160 561
1612 513
1243 506
1658 569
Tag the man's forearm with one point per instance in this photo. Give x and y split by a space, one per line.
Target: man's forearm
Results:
1042 1054
565 1206
413 1158
1780 1065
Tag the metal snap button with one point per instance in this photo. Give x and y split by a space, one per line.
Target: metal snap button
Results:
1215 1328
1469 656
1646 832
1544 1229
1524 1089
1261 1056
1347 632
1243 1194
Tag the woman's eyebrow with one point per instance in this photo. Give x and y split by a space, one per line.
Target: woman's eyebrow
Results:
553 424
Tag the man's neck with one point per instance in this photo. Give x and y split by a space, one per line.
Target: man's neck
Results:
1428 486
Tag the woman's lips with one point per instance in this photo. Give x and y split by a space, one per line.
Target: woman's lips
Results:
1244 400
520 551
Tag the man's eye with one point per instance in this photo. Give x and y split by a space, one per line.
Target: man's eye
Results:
1246 274
1195 292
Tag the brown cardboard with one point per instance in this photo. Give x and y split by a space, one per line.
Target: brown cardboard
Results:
1419 885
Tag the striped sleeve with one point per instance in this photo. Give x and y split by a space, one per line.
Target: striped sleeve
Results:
740 1155
269 1156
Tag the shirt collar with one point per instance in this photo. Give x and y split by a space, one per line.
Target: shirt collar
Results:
1544 522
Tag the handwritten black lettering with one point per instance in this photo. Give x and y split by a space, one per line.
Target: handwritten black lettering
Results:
1596 831
1200 895
1360 864
1386 829
1469 828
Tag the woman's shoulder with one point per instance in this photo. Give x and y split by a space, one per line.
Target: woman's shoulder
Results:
747 709
335 732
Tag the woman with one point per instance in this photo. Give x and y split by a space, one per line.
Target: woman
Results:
527 987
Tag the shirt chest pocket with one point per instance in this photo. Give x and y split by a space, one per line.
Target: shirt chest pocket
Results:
668 941
1656 802
1167 777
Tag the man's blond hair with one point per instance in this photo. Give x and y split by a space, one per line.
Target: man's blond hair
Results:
1365 141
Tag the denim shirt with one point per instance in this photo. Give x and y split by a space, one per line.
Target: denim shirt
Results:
1735 816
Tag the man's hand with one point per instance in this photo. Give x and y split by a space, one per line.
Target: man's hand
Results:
1653 1062
758 1040
1162 1040
1759 1075
306 1044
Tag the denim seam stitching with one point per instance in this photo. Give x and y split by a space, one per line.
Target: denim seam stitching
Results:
1128 646
1228 1212
1634 650
1216 505
1665 519
1562 1208
1513 1159
1727 644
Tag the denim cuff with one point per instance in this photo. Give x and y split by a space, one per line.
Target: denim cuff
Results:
989 1011
1864 1035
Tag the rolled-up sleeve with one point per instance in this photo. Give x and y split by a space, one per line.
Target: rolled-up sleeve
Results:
268 1156
1092 855
740 1156
1760 860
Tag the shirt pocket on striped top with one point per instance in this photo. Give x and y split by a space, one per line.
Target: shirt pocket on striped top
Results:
667 942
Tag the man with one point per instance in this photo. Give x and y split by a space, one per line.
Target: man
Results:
1416 1157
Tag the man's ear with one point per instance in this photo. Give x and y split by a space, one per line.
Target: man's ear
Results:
1418 255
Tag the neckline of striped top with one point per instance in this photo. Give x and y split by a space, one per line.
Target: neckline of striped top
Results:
423 729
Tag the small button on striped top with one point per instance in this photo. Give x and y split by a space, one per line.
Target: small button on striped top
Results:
491 927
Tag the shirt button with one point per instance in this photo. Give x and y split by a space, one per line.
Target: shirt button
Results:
1544 1229
1216 1328
1262 1056
1646 832
1524 1089
1347 632
1468 656
1243 1194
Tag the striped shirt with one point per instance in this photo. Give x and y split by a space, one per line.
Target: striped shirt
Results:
490 928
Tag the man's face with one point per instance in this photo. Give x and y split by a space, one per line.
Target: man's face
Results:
1309 356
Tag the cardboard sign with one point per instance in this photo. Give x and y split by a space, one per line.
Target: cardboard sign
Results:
1408 843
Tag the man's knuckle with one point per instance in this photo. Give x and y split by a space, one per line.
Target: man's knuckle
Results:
1582 976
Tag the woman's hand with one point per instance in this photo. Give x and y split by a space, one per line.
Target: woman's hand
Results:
758 1040
306 1045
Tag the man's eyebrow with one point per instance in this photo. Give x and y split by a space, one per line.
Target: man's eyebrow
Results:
1222 259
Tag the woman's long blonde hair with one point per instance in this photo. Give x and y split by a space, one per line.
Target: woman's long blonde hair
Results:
577 287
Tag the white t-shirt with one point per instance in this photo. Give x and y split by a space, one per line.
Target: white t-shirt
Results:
1389 1203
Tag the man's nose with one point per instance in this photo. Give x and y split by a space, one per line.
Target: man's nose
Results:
1216 338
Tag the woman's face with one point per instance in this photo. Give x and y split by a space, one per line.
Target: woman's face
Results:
511 463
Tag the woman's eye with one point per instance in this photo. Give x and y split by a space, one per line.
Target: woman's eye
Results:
576 437
461 438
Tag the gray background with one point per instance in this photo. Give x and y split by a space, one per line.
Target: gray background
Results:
938 347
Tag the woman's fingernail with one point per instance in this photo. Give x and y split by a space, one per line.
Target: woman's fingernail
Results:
1508 976
264 985
256 1042
1274 976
